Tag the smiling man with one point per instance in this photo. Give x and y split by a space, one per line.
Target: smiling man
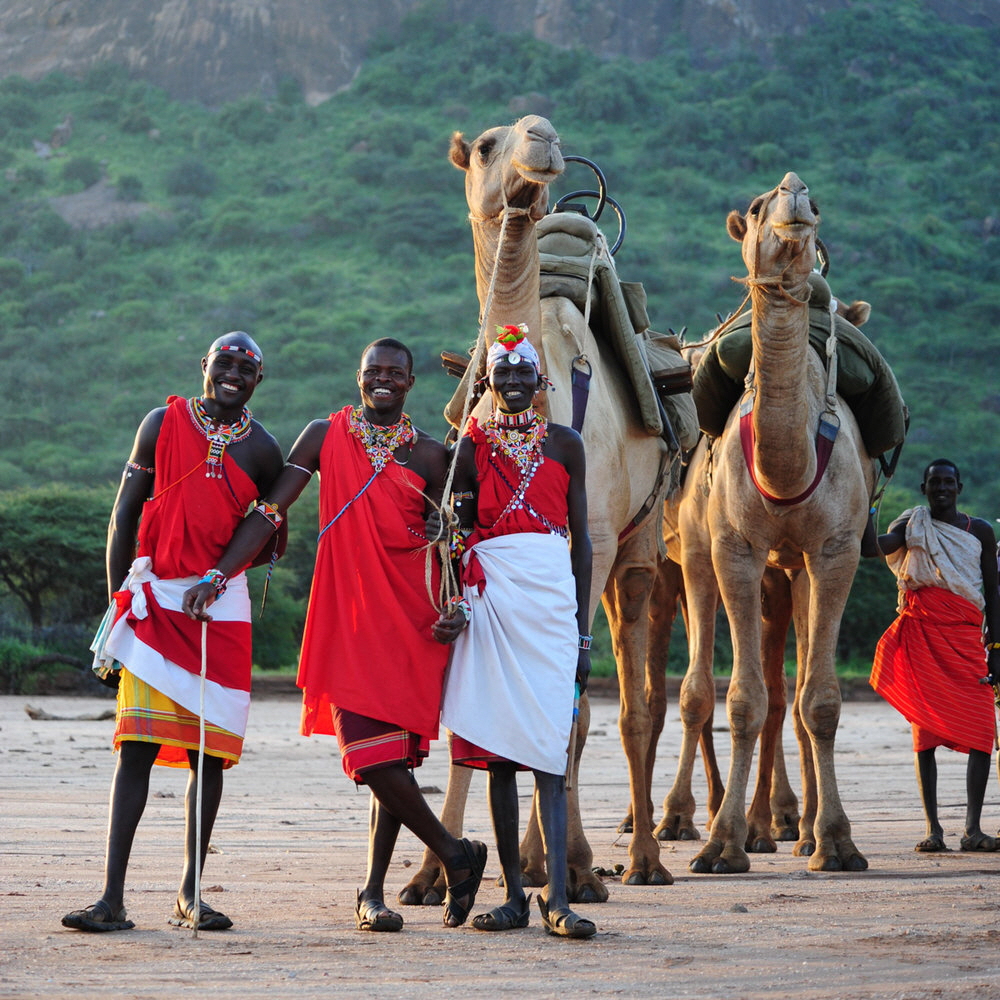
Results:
930 663
196 466
370 670
526 575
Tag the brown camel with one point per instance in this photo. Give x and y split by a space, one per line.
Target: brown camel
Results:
773 814
780 506
507 171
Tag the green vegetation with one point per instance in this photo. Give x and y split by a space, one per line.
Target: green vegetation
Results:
319 229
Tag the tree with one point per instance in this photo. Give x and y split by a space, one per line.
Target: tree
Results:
52 541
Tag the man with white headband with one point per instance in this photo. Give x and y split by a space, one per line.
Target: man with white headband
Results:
196 466
521 500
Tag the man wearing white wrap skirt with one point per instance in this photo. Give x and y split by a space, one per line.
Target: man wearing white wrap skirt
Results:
520 495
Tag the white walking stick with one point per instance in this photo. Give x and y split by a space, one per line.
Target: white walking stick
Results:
197 795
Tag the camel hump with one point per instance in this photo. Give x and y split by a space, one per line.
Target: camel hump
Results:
865 381
574 262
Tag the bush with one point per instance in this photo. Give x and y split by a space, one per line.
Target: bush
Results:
17 112
191 177
249 121
15 663
11 273
129 188
82 170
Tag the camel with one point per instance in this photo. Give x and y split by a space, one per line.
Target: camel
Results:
777 505
774 811
507 173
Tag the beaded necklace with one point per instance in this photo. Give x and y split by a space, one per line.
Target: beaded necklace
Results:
518 436
380 442
219 434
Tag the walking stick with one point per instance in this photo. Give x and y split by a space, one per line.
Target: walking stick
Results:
198 795
572 736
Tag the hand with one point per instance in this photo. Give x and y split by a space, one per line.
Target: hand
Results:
195 601
434 527
448 627
583 669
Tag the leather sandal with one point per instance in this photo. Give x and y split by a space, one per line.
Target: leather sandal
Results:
455 911
374 915
565 923
505 917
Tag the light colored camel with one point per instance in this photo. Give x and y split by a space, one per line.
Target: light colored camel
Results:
507 173
774 508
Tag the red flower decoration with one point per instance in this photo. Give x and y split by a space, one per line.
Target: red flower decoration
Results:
510 335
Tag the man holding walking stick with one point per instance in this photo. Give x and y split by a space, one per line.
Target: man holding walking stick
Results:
196 467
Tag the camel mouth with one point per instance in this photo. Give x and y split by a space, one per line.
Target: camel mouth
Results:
797 230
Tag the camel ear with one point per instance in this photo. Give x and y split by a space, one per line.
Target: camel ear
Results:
460 151
858 312
737 225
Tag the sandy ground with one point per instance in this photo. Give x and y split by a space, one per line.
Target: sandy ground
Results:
291 850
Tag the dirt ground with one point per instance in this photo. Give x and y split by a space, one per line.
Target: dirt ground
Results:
291 851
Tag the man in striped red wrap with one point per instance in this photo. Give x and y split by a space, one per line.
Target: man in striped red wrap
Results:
930 664
196 466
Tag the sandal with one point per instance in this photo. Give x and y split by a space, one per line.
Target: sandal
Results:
565 923
374 915
455 912
99 917
980 842
931 845
208 919
503 918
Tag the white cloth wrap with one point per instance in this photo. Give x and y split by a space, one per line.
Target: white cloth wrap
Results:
510 681
938 555
225 707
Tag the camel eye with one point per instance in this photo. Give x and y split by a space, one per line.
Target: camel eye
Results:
484 149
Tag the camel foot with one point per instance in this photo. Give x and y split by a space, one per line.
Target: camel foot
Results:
852 861
679 829
625 826
586 887
785 834
533 877
655 875
805 848
716 859
420 894
761 845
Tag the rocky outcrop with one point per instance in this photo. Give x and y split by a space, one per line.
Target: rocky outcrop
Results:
219 50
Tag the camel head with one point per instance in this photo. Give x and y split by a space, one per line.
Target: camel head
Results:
518 160
778 234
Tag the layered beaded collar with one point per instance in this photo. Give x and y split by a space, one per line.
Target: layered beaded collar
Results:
518 436
219 434
381 442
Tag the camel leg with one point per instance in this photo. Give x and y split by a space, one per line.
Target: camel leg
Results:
776 616
427 887
626 603
830 581
697 695
667 592
806 844
739 571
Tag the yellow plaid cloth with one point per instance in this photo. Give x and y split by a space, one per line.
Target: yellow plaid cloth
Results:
146 715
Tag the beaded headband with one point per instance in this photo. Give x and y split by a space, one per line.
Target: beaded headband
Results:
239 349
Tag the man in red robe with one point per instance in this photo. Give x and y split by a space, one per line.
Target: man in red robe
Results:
196 466
930 664
370 670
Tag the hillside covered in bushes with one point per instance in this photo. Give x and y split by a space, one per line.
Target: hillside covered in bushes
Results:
128 246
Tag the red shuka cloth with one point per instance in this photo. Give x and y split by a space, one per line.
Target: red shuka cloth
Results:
928 665
367 645
498 477
184 529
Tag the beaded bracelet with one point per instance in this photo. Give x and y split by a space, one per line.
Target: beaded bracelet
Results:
217 579
456 545
270 512
992 645
585 641
460 604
